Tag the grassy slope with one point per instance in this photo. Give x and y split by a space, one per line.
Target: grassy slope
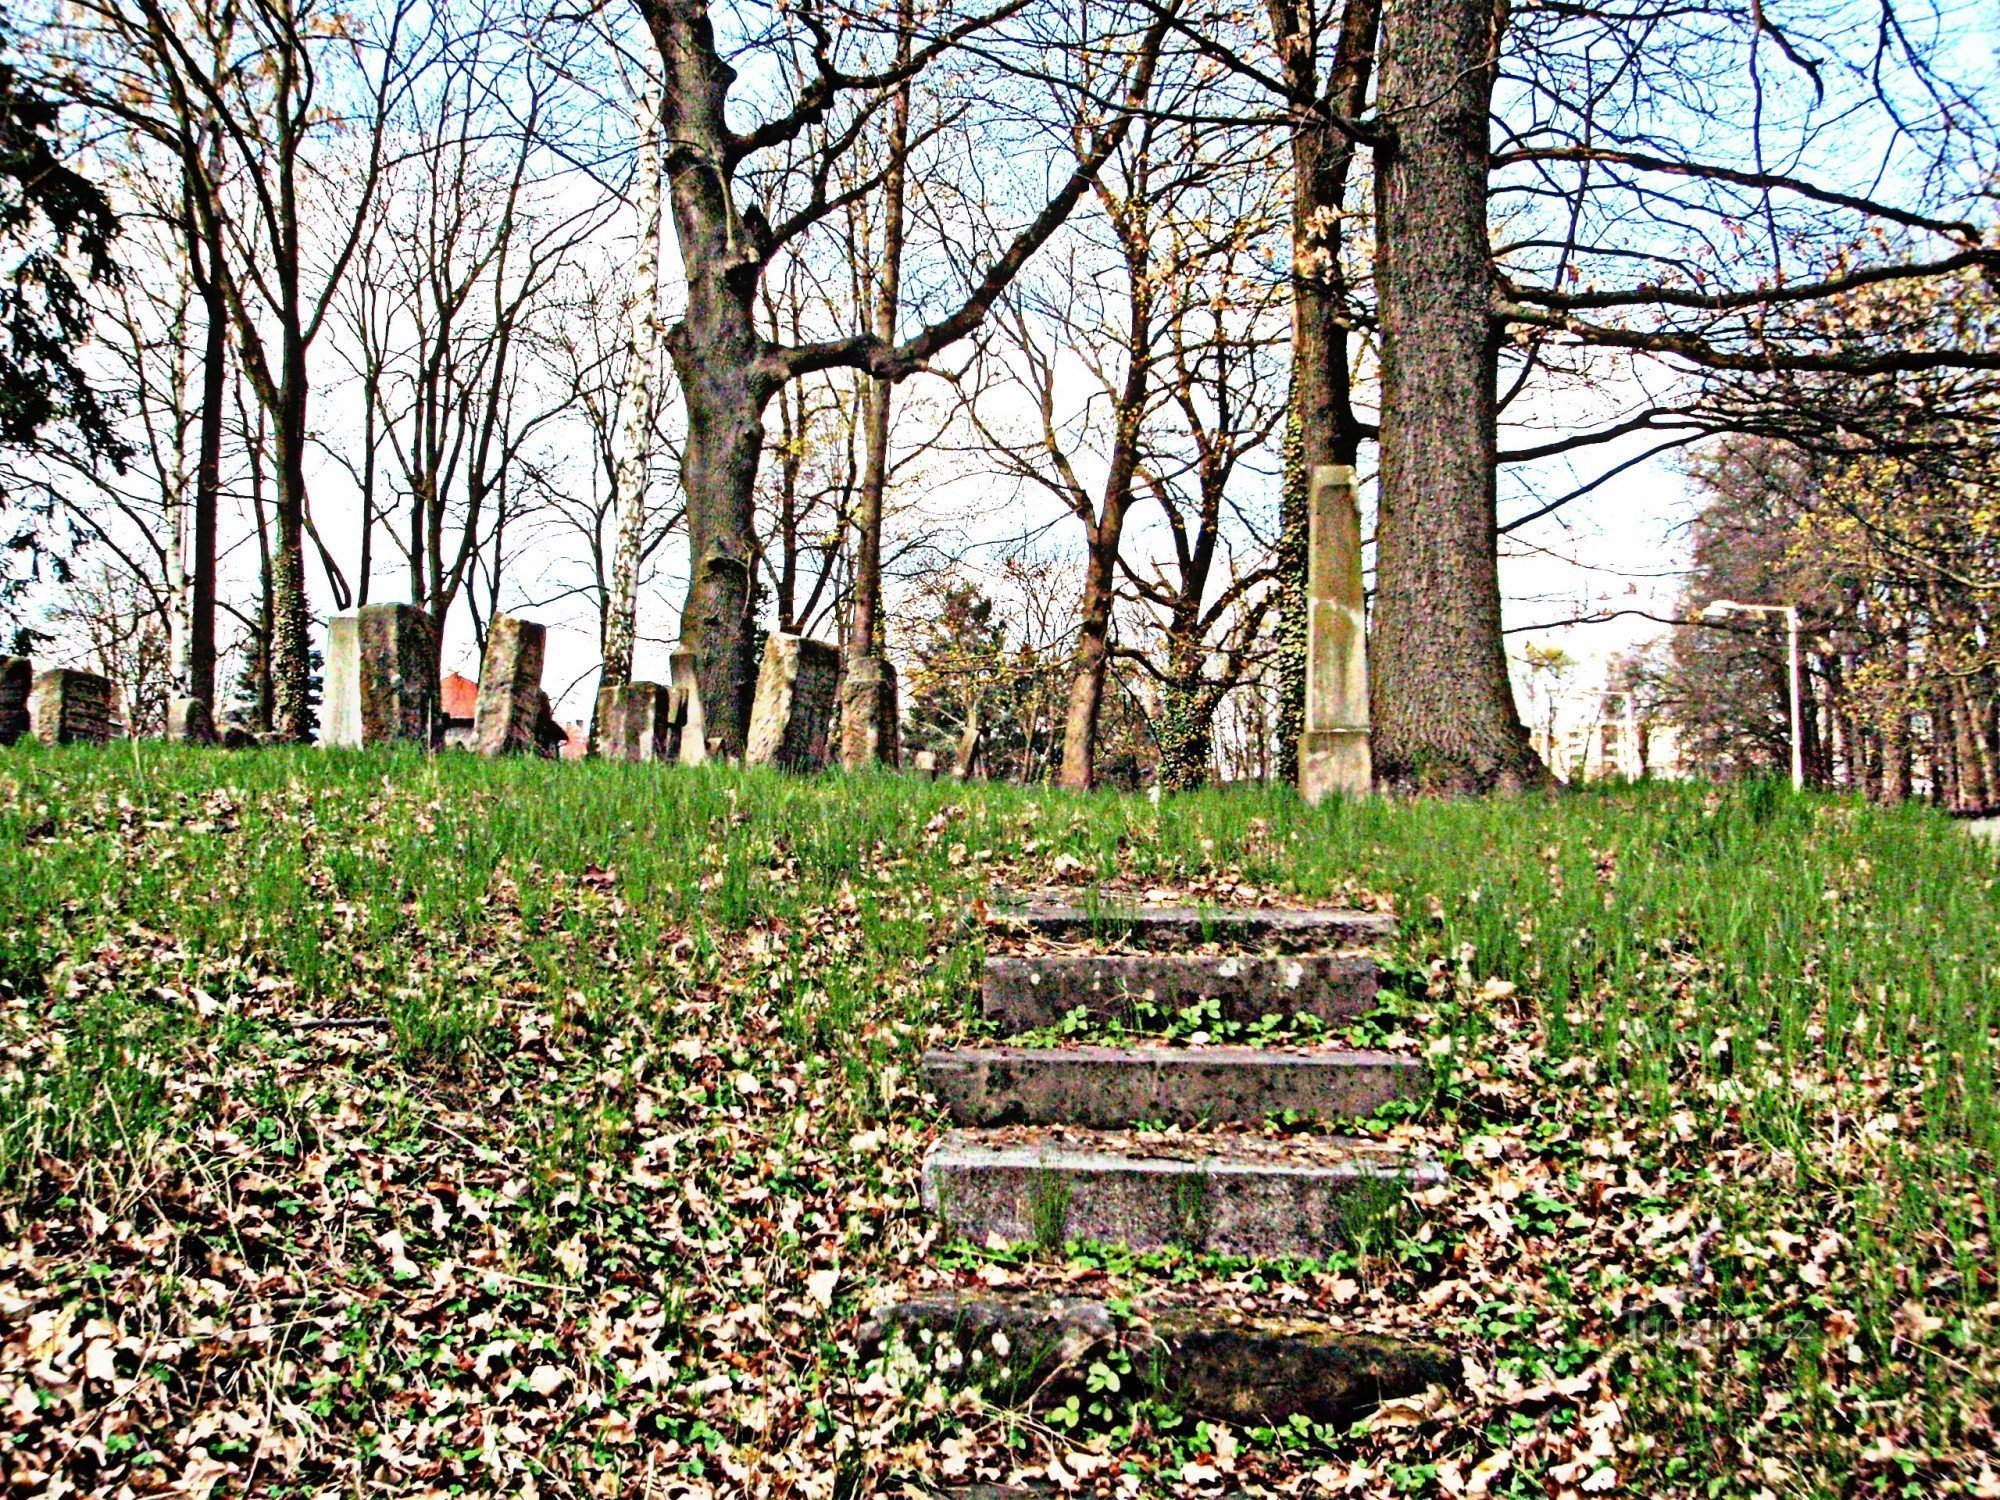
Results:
599 1206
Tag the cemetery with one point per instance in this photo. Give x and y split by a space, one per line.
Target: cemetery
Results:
1140 750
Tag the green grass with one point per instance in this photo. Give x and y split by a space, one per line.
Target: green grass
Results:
1778 1012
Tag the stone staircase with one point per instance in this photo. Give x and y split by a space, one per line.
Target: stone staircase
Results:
1075 1142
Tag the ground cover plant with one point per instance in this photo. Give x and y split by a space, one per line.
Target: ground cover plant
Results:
432 1125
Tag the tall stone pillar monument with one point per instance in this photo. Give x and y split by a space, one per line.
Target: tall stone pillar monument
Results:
1333 749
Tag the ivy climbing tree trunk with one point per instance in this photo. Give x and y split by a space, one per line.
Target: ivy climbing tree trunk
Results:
1443 711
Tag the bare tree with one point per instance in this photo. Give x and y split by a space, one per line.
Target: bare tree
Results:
1211 595
728 371
275 82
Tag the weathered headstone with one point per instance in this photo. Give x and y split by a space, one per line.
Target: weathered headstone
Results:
685 708
635 721
924 765
508 718
790 721
382 678
68 707
17 681
189 722
869 732
1333 750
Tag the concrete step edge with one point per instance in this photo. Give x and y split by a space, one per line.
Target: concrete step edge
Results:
1024 991
1243 1368
1109 1087
1194 923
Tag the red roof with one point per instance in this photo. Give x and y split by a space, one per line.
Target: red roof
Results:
461 697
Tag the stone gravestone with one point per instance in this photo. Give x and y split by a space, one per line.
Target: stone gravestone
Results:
869 732
17 681
382 678
66 708
635 721
793 714
510 688
1333 750
685 708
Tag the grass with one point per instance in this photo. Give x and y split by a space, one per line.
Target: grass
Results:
1719 1111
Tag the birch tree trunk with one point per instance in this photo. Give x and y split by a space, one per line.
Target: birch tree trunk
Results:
1443 710
635 431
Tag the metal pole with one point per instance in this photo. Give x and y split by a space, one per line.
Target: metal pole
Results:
1798 711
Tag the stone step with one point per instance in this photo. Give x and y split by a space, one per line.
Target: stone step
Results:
1024 992
1111 1087
1222 1194
1228 1366
1176 925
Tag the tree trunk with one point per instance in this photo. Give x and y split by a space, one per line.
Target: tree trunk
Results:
1186 729
1322 427
636 426
291 657
865 625
1105 534
258 669
1292 562
1093 654
1444 716
720 361
200 682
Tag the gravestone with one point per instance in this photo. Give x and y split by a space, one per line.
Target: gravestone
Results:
508 718
1333 749
635 721
17 681
67 708
869 732
793 714
189 722
382 678
925 765
685 708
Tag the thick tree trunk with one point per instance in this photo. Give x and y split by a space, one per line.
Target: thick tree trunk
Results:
725 438
621 609
721 363
1443 711
1186 731
1322 427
